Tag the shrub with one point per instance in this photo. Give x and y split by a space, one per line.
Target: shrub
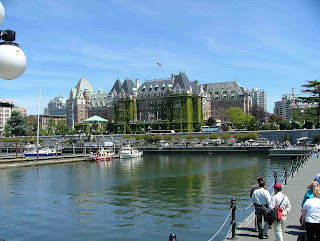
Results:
213 136
225 136
201 136
251 135
190 137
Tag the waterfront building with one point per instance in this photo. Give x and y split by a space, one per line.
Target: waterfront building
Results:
5 112
259 98
223 96
79 102
101 104
282 107
172 103
21 110
46 120
56 106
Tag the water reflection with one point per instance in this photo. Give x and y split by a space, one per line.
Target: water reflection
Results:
128 199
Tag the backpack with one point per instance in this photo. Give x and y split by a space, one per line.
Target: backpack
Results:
274 214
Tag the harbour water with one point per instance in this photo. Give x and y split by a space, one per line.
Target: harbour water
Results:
135 199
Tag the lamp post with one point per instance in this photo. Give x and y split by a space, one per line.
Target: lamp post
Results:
12 59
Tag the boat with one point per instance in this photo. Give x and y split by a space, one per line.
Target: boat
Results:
128 152
36 150
103 155
32 151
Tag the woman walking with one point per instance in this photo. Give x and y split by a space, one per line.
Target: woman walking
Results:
311 216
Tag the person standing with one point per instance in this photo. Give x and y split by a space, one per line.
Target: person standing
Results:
311 216
315 150
279 200
253 188
261 199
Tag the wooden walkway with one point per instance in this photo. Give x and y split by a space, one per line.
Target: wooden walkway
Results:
295 190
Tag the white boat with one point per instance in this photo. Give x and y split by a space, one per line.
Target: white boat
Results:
31 151
36 150
103 155
129 151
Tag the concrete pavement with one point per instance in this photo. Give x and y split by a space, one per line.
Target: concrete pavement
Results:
295 190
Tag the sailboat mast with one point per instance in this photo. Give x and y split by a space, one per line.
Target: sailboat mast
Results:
38 121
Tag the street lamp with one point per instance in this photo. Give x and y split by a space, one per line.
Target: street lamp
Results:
13 62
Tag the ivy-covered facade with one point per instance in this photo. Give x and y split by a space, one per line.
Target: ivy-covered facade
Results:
174 104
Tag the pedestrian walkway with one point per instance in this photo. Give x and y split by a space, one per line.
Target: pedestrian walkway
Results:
295 190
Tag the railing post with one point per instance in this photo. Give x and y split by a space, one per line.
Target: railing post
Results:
233 221
285 175
275 177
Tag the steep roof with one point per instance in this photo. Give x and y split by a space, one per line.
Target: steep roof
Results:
182 80
223 86
83 84
127 86
116 87
160 83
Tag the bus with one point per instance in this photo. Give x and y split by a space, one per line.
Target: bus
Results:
210 128
162 131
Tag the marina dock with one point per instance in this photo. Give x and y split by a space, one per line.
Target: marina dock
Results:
294 190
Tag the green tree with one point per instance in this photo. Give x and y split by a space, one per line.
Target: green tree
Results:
294 125
312 88
213 136
265 126
138 137
225 136
251 135
157 137
240 136
167 137
238 117
253 124
190 137
284 125
201 137
147 137
16 125
127 137
178 138
32 123
316 139
62 128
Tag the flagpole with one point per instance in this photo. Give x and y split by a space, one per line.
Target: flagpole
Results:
157 73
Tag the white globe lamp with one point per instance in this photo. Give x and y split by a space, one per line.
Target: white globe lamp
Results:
13 62
2 13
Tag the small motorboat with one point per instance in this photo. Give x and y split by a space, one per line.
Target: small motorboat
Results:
103 155
31 151
129 152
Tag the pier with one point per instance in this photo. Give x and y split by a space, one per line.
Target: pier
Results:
294 190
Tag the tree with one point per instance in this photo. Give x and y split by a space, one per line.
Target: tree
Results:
178 138
259 113
157 137
284 125
238 117
313 89
286 137
147 137
265 126
62 128
138 137
32 123
201 137
251 135
253 124
225 136
213 136
190 137
275 118
16 125
167 137
211 121
316 139
240 136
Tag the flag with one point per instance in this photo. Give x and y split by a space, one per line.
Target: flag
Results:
158 64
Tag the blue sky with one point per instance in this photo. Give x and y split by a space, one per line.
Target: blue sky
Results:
267 44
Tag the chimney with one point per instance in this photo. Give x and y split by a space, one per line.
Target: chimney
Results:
137 83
